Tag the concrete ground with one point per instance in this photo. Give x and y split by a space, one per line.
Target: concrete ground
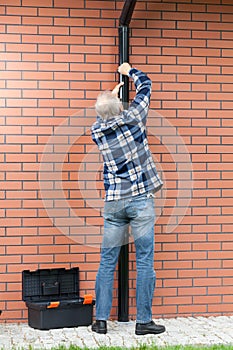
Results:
179 331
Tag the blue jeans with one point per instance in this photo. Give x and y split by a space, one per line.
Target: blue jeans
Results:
138 213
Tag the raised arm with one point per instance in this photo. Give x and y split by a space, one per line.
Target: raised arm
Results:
140 105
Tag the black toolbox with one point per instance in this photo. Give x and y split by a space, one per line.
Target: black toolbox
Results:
53 301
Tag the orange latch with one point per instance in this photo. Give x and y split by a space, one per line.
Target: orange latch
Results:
53 304
88 298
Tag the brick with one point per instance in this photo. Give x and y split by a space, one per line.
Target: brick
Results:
187 78
101 4
174 246
20 84
191 43
208 105
22 250
21 102
10 93
178 300
43 3
227 193
209 122
176 69
219 114
53 12
160 42
219 8
74 22
197 28
68 40
227 17
37 21
69 4
54 103
221 149
176 104
161 24
69 76
220 220
212 299
161 7
177 16
226 158
14 38
218 273
53 67
206 34
220 44
178 282
54 30
227 264
13 222
46 258
221 201
21 66
11 2
221 26
91 13
38 39
54 48
21 29
192 273
10 19
40 112
216 131
191 8
220 62
227 299
109 23
23 11
206 17
227 87
207 52
227 70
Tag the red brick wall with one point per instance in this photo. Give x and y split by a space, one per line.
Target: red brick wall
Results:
54 58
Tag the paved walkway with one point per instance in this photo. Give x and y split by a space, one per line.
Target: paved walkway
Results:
180 331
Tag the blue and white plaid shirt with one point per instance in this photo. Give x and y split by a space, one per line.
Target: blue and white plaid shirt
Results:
129 169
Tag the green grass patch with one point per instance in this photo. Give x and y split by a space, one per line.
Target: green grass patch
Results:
152 347
144 347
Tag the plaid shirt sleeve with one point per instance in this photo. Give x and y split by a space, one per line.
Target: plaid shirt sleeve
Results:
140 106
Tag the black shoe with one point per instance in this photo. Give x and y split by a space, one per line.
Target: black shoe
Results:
149 328
99 327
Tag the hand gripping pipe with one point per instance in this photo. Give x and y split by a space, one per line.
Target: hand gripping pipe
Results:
123 264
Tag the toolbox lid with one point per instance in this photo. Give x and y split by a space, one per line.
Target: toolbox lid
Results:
50 284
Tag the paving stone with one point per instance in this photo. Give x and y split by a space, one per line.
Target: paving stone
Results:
180 331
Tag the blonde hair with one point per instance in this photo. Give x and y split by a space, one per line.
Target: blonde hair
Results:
107 105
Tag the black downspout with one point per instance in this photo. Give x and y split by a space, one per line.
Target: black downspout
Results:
124 57
123 264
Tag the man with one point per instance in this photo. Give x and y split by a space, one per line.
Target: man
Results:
130 180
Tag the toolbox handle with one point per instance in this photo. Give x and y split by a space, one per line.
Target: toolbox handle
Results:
50 289
53 305
88 299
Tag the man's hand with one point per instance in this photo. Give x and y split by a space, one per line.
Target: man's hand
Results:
124 68
116 89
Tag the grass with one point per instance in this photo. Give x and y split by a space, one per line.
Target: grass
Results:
151 347
144 347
